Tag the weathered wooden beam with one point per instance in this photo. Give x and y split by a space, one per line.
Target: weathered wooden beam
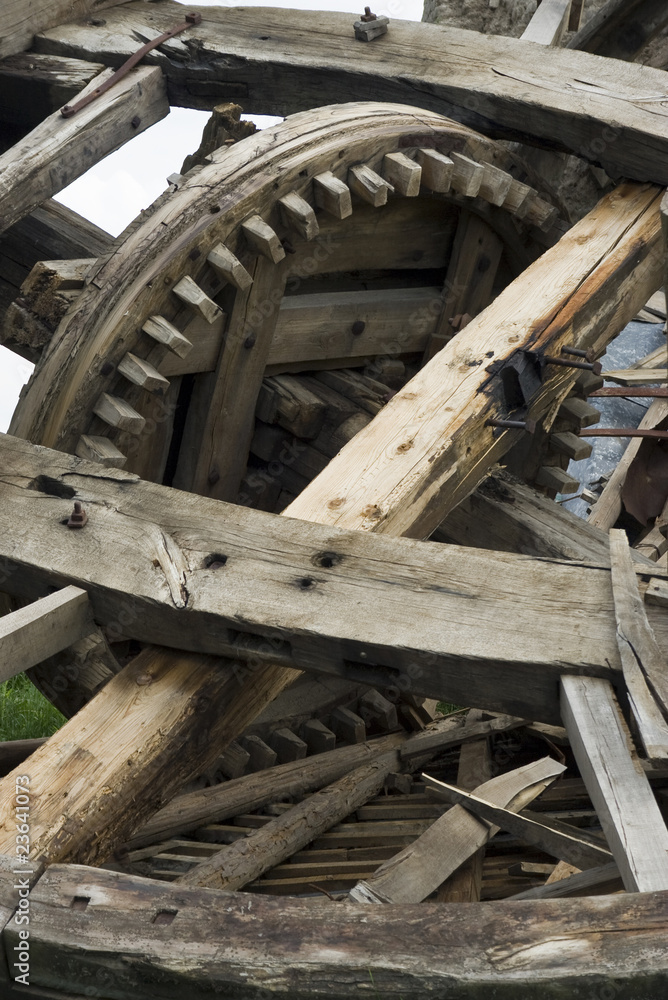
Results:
431 445
41 629
34 86
620 28
59 150
334 951
642 661
195 579
412 874
507 515
548 24
619 789
496 84
20 22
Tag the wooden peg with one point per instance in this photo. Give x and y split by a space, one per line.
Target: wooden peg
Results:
229 267
467 175
261 237
540 213
368 185
117 413
141 373
297 214
436 170
554 478
100 449
332 195
403 173
192 295
519 198
495 185
162 330
578 412
567 443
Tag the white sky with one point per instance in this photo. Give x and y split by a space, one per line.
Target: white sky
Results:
113 192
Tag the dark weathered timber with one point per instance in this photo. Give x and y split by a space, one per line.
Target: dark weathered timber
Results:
621 28
502 86
243 944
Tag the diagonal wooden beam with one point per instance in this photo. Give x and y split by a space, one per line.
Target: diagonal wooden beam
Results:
59 150
431 445
620 28
502 86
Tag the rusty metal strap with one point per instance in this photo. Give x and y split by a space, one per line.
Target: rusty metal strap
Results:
136 57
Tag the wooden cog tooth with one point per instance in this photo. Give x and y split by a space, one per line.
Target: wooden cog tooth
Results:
261 237
540 213
567 443
192 295
162 330
229 267
100 449
496 184
519 198
117 413
368 185
554 478
579 412
437 169
332 195
467 175
143 374
403 173
297 214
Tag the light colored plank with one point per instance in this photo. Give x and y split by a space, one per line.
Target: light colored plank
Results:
41 629
415 872
638 376
621 794
59 150
548 24
642 661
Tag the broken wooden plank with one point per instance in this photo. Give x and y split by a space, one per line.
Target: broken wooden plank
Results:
497 84
59 150
388 479
642 661
240 863
348 945
557 839
414 873
301 606
621 794
41 629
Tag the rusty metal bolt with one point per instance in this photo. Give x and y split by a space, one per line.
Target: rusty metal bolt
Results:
78 517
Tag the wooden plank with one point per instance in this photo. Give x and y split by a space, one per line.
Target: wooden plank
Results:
430 446
594 882
621 794
641 658
414 873
620 28
548 24
41 629
244 861
59 150
301 603
497 84
507 946
556 840
20 23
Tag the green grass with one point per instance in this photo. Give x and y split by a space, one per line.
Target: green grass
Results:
24 712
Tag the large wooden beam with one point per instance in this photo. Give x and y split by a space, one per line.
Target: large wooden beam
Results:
502 86
430 446
20 21
296 599
59 150
308 950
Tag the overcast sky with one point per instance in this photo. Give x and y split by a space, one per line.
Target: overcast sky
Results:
112 193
